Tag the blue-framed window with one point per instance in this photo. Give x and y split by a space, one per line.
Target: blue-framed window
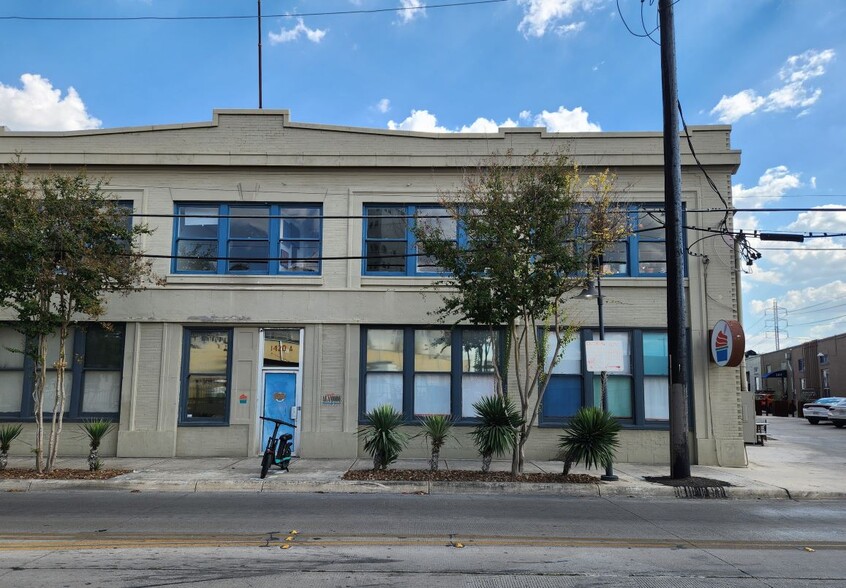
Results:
253 239
389 244
421 371
638 395
93 373
206 376
643 253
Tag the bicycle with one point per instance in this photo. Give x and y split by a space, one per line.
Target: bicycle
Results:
278 449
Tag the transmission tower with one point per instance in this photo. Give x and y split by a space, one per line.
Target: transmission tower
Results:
773 325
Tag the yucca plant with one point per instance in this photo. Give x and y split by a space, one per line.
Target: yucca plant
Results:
382 437
8 433
496 432
95 430
437 428
591 438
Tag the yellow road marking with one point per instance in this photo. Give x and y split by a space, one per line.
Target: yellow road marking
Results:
86 541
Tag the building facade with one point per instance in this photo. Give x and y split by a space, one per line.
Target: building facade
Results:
292 288
801 373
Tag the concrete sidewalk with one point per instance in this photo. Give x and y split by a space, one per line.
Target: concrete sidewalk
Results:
772 473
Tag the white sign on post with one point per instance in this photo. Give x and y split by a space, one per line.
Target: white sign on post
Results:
604 356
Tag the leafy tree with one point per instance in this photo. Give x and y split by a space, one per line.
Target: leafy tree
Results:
535 232
65 245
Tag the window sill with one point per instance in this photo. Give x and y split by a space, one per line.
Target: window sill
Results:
639 281
399 281
241 280
203 424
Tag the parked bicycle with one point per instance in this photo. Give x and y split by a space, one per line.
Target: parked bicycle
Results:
278 449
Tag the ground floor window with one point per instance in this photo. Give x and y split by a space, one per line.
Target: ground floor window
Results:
424 371
637 395
92 374
206 369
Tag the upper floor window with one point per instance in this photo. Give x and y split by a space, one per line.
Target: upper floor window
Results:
248 239
643 253
389 244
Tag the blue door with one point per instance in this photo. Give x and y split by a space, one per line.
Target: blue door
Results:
280 401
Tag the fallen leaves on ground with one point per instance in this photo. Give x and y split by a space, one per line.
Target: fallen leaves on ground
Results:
466 476
60 474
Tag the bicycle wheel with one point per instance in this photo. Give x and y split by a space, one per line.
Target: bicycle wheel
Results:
266 462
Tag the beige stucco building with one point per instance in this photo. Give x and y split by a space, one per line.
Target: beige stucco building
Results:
291 285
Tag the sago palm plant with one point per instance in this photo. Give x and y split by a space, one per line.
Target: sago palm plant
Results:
437 428
382 437
496 432
95 430
591 438
8 433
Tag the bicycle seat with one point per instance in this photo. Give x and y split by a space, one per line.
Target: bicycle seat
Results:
286 437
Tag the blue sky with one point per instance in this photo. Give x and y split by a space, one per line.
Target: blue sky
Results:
774 69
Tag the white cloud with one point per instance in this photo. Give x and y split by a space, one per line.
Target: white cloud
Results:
383 106
732 108
539 16
820 220
288 35
794 94
419 120
814 182
486 125
562 120
413 9
570 29
771 186
38 106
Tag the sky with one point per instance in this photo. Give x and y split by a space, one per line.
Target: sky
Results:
773 69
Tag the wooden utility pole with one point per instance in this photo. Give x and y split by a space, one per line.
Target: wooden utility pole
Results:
676 307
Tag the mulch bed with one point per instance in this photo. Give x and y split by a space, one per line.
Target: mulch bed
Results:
691 482
465 476
60 474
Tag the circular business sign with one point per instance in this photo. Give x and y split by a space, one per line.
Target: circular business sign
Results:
728 343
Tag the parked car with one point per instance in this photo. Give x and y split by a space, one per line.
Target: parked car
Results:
819 409
837 414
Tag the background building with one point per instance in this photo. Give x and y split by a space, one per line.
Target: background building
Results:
289 289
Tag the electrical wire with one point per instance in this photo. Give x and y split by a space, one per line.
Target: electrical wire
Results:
248 17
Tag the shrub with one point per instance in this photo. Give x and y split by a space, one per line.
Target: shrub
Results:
382 439
591 438
496 432
437 428
8 433
95 430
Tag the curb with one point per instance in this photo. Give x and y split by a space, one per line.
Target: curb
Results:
599 490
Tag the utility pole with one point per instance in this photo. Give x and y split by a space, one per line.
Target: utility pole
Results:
259 52
775 321
676 307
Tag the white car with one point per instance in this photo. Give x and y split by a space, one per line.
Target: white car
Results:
837 414
819 409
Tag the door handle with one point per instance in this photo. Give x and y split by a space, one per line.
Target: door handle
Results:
293 413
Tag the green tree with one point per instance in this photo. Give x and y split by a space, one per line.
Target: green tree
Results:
535 230
65 245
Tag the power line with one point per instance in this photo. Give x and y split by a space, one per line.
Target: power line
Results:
247 16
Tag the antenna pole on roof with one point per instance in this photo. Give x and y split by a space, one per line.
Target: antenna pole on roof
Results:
259 52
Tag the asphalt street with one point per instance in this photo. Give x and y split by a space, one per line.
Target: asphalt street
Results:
168 539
